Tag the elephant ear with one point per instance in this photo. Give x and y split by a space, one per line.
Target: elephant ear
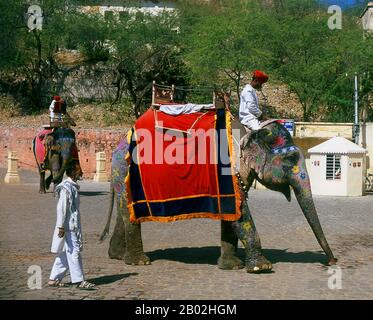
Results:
263 137
261 134
48 144
257 136
49 141
255 156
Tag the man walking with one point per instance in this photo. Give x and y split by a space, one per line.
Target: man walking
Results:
67 238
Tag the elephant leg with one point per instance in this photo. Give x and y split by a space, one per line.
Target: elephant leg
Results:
134 253
48 181
42 182
229 241
246 232
117 247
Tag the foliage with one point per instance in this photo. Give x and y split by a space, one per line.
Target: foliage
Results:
204 45
222 43
301 52
290 40
90 34
146 49
27 60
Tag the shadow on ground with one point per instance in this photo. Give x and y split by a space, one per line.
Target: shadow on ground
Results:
277 255
210 255
202 255
111 278
92 193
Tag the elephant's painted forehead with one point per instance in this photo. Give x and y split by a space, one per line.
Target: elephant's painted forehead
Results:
65 140
120 152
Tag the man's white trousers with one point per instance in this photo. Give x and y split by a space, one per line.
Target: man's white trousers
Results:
69 259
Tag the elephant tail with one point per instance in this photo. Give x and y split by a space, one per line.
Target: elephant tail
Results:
34 151
105 233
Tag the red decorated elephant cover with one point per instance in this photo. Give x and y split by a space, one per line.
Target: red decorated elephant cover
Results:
180 168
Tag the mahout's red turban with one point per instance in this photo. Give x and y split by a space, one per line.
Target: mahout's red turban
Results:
260 76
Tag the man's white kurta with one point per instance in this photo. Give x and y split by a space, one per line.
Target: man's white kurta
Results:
68 215
249 108
51 110
52 113
70 245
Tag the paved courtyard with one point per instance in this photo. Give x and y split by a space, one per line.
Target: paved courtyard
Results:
184 254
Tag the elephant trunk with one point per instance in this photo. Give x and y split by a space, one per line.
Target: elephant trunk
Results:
305 200
57 177
105 233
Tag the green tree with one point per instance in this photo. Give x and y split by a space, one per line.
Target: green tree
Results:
28 56
300 42
145 48
352 54
314 60
224 40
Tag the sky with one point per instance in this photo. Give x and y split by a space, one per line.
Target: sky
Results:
344 3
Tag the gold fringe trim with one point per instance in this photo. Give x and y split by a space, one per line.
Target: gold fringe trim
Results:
128 183
216 161
232 154
187 197
188 216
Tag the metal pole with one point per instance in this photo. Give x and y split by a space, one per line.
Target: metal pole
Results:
356 124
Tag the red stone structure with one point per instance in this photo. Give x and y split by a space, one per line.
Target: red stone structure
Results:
89 142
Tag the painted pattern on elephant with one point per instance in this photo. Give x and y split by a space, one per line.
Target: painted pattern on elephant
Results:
60 150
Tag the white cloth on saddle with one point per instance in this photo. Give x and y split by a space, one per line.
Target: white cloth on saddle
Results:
177 109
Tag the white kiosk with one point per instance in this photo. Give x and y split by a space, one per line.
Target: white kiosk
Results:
337 168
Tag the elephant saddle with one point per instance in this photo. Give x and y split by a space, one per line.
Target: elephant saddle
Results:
180 167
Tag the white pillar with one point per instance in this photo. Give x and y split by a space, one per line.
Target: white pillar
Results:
100 175
12 175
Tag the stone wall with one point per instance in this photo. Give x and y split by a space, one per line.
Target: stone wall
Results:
89 142
367 17
323 130
88 83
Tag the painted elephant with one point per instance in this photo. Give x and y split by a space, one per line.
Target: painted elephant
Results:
277 171
270 156
53 150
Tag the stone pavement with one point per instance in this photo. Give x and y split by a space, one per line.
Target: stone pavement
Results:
184 254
